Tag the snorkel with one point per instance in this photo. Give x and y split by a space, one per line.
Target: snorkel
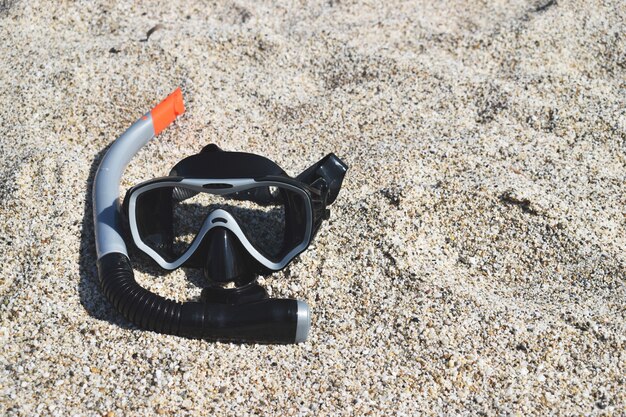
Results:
241 314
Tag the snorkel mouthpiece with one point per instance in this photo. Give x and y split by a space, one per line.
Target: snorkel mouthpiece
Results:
232 246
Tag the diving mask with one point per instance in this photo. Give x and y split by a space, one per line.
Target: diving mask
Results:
236 215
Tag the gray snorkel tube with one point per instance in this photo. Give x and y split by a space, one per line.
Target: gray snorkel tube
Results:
263 321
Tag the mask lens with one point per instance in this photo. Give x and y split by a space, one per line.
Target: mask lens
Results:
272 218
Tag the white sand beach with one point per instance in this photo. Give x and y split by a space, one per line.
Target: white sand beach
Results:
475 259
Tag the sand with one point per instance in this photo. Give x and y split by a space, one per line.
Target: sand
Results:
474 262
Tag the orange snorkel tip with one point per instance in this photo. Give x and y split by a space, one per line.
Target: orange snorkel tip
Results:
164 113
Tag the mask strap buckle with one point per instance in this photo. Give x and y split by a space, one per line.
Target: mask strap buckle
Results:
331 170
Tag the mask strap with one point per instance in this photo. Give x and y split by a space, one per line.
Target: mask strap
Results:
331 169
